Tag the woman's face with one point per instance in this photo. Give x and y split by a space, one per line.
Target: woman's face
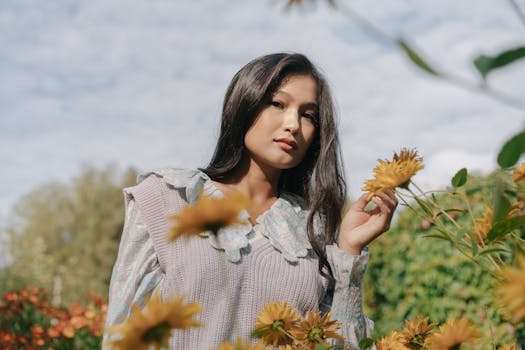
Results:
281 134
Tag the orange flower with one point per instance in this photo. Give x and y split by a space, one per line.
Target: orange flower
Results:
316 329
274 323
78 322
452 334
76 309
151 326
240 345
37 330
11 296
511 292
393 341
508 347
519 173
53 332
416 331
395 173
68 331
209 214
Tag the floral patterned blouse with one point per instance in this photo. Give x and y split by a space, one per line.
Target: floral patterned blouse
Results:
137 274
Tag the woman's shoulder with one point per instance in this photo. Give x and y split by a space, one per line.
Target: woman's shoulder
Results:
174 176
161 182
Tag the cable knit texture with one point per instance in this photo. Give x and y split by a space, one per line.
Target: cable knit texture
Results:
231 274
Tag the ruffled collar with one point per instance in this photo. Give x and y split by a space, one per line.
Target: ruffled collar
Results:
284 223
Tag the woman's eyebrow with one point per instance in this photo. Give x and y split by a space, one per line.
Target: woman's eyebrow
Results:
307 104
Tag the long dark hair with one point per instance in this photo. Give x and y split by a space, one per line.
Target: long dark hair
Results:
319 178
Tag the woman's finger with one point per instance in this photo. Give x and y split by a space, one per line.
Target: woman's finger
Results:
361 202
381 204
392 195
392 202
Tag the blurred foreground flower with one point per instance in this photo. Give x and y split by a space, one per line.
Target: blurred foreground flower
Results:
396 173
393 341
209 214
509 347
274 323
416 331
240 345
512 291
315 329
152 325
452 334
519 173
482 225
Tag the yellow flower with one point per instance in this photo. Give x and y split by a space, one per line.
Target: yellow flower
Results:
452 334
151 326
508 347
519 173
482 225
396 173
416 331
511 292
393 341
240 345
274 323
209 214
315 329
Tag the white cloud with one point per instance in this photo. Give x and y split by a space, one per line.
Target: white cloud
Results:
139 82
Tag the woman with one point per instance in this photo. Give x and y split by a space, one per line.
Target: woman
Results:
279 146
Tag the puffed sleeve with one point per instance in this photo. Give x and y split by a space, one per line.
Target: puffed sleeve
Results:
346 302
136 272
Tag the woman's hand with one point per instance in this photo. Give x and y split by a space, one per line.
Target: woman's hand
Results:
360 227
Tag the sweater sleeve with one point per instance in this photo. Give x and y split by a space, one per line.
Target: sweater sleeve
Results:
347 303
136 272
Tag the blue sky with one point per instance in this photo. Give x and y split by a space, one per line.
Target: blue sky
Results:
140 83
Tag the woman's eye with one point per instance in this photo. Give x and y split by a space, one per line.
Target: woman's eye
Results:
277 104
309 116
312 118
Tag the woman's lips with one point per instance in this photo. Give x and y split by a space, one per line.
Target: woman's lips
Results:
284 145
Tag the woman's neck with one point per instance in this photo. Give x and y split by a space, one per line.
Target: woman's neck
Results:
257 183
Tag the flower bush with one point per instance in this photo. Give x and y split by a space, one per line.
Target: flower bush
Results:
485 223
28 321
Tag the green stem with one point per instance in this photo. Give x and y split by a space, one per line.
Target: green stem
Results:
471 213
383 37
438 222
436 206
518 10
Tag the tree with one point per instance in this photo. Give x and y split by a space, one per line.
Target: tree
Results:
64 237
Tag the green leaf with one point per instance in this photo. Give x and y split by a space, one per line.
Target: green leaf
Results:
473 190
493 250
437 235
503 227
473 244
259 333
485 64
452 210
460 235
416 58
512 150
426 208
501 203
321 347
365 343
460 178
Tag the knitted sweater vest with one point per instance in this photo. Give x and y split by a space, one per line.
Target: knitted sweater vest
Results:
231 294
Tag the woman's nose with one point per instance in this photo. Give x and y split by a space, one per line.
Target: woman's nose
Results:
291 121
